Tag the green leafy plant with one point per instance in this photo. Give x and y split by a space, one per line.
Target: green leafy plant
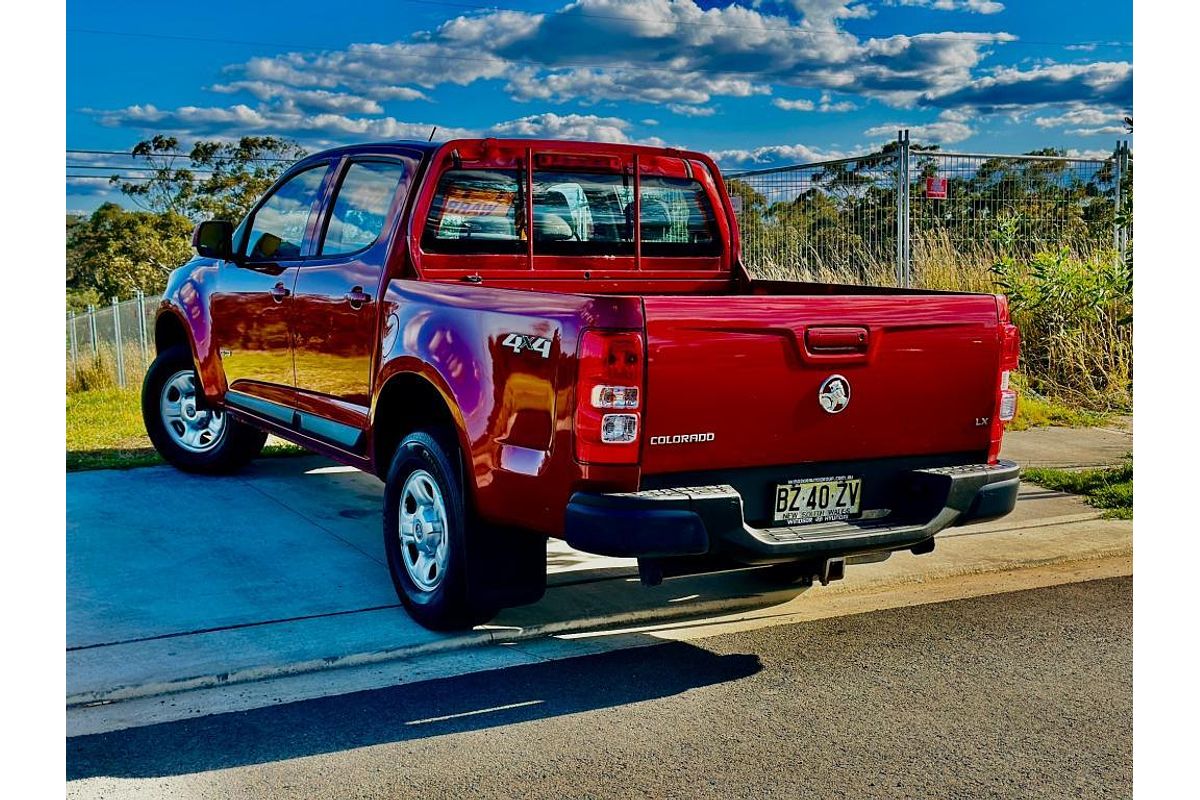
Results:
1076 317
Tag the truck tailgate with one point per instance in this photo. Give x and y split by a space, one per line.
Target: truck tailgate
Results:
737 381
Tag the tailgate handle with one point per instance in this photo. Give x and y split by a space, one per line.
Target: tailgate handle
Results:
836 340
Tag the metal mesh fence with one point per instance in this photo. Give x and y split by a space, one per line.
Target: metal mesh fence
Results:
815 221
906 214
112 345
1028 202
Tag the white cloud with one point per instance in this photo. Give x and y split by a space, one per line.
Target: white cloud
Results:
826 104
90 186
772 154
1088 121
395 93
973 6
567 126
307 99
793 105
691 111
623 84
1107 82
1074 152
822 14
654 52
949 128
237 120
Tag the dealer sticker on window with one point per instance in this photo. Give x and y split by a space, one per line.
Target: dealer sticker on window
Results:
805 501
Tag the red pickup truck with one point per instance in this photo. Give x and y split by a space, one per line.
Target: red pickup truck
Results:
532 339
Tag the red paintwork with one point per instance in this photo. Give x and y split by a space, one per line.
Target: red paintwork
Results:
724 354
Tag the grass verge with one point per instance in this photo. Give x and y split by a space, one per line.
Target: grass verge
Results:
1041 412
1110 489
105 431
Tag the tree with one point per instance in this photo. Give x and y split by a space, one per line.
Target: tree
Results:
115 252
216 180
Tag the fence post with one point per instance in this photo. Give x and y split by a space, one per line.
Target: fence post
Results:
903 276
74 348
1117 169
92 330
116 306
1121 230
141 312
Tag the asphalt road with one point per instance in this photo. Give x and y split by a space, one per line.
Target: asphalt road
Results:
1022 695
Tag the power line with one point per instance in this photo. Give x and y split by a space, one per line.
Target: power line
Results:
128 154
135 168
130 178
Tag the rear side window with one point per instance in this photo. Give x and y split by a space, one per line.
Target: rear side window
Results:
361 206
677 218
477 211
277 232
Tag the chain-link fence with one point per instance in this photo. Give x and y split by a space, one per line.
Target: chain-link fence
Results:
899 215
111 345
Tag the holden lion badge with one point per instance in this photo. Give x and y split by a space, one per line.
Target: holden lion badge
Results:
834 394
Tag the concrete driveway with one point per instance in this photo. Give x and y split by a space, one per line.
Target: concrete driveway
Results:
179 583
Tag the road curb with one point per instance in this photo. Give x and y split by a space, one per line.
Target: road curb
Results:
511 634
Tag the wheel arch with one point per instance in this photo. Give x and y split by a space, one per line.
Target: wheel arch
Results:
170 331
409 400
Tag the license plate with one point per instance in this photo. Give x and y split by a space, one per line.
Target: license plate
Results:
801 502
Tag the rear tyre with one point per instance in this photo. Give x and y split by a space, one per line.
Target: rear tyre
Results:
187 432
450 571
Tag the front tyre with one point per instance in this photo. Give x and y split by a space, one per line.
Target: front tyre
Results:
425 536
184 429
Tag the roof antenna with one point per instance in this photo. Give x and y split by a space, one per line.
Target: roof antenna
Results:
431 133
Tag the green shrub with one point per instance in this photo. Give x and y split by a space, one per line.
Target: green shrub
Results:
1075 313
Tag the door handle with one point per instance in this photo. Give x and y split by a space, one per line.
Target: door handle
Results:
357 297
842 340
279 292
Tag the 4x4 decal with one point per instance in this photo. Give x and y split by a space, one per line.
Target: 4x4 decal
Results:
520 341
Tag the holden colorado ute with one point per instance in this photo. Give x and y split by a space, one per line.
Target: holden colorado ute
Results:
531 339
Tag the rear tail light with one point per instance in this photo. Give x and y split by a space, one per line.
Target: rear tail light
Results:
1006 397
609 392
614 397
619 428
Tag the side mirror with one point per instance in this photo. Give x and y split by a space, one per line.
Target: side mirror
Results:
214 239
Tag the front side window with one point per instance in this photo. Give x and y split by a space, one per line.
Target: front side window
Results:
362 205
277 232
477 211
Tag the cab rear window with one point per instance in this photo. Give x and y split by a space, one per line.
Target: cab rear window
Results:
574 213
477 211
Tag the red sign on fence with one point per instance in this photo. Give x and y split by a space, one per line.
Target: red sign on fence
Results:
936 188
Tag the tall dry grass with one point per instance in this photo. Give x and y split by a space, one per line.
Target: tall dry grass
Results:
99 370
1074 306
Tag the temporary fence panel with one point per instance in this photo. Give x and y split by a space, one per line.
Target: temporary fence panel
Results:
857 219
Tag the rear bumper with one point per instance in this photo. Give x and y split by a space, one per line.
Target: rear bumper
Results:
709 520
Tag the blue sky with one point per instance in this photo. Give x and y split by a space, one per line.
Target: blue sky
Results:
755 83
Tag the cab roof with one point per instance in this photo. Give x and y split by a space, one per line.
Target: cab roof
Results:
475 144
